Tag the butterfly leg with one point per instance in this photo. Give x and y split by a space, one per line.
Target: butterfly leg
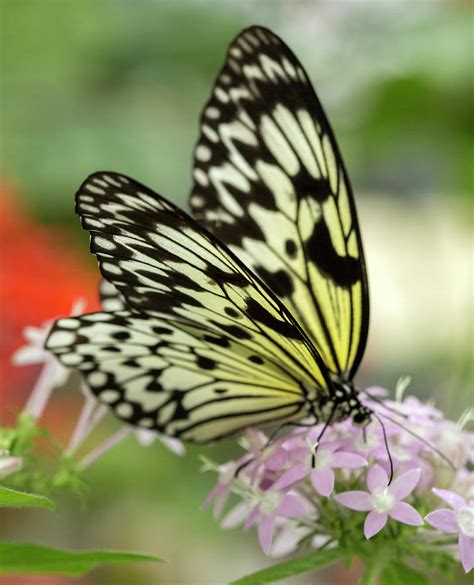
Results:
271 439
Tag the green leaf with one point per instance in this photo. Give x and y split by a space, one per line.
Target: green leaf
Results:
14 499
33 559
396 573
294 567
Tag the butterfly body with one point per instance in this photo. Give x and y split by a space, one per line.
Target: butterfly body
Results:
254 313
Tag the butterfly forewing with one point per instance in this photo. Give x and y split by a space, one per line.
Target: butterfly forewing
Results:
271 184
171 271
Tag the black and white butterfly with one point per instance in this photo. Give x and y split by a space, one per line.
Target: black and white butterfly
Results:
255 312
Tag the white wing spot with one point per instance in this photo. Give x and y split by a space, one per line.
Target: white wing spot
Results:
59 338
203 153
109 395
301 75
210 133
89 208
112 268
71 359
243 43
252 39
201 177
104 244
69 323
221 95
112 181
198 200
212 113
97 379
98 317
288 67
100 183
94 189
124 409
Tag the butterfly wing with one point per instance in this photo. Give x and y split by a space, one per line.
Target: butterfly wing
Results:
177 379
236 351
110 297
270 183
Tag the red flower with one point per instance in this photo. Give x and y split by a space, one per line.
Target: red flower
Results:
41 276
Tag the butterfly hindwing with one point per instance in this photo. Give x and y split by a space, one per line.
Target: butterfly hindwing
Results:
270 183
174 378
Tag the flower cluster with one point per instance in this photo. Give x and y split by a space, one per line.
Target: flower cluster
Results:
337 491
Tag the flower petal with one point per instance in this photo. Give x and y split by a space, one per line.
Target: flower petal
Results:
374 523
443 519
235 516
346 459
405 484
216 490
452 499
251 518
323 481
291 476
291 507
172 443
405 513
277 460
265 532
376 478
356 500
466 551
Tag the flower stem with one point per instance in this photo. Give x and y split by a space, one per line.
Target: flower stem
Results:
42 391
105 446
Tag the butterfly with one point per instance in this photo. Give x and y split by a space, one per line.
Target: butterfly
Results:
255 312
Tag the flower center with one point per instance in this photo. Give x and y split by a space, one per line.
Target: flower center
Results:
383 500
465 518
270 502
323 458
367 443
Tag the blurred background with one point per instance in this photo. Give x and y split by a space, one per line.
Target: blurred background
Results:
118 85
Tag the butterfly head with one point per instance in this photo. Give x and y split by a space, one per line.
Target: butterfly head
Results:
349 405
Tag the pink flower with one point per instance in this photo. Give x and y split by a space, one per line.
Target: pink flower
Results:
383 500
53 373
9 465
457 520
273 502
327 458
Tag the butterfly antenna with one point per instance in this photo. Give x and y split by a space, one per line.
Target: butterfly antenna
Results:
420 438
385 440
382 403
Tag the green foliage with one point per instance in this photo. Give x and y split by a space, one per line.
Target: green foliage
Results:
14 499
396 573
33 559
46 468
294 567
383 563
